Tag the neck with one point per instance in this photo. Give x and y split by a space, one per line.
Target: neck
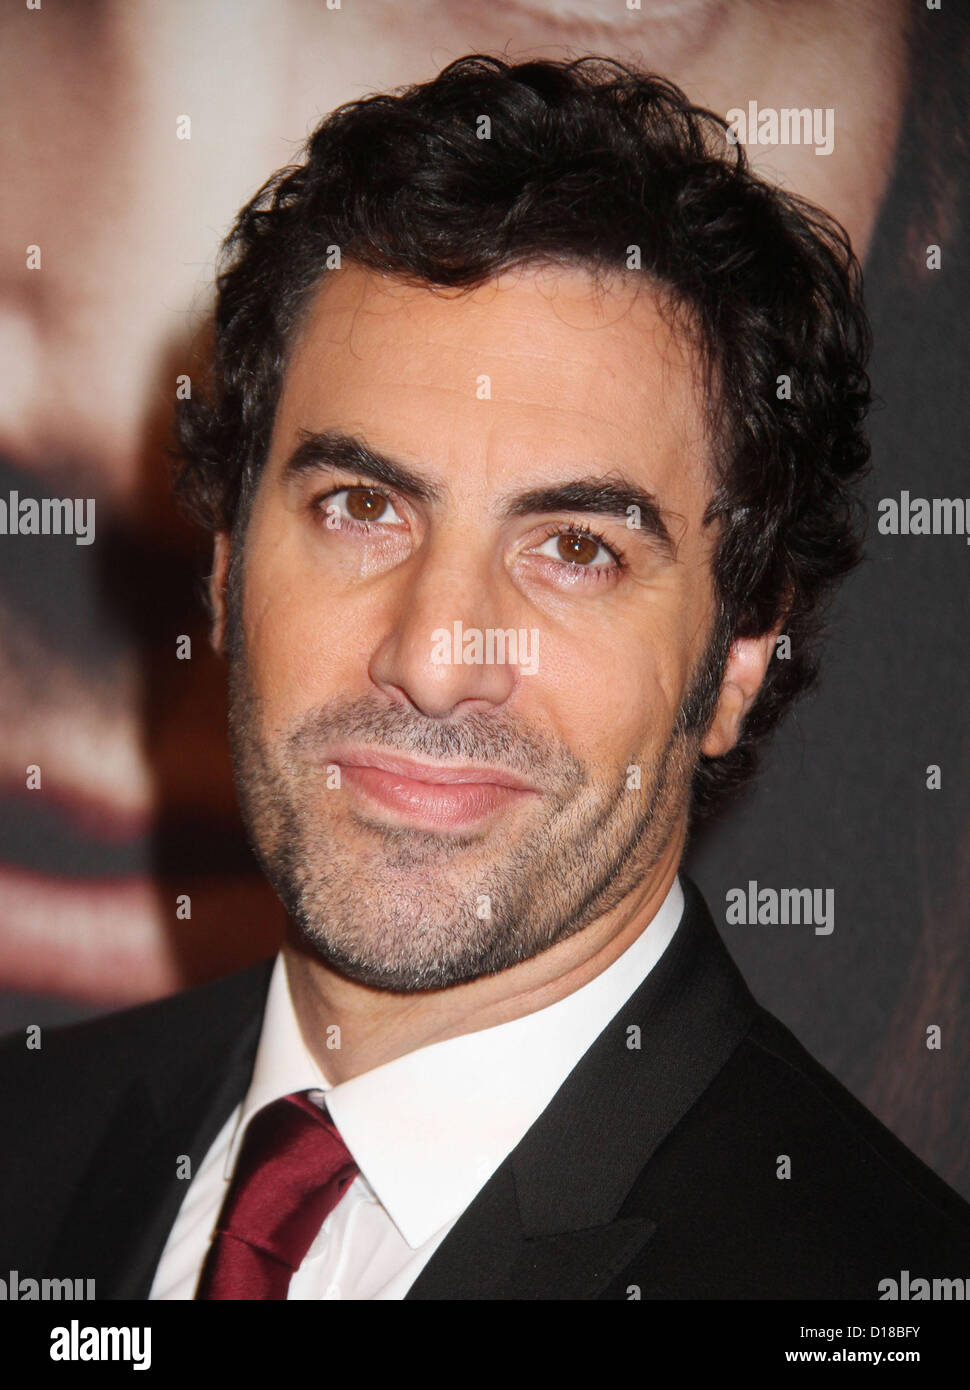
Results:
377 1026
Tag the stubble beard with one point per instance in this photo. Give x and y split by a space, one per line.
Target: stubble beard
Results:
408 910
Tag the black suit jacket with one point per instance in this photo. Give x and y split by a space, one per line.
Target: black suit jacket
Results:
653 1172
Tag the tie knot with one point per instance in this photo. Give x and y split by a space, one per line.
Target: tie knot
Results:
293 1168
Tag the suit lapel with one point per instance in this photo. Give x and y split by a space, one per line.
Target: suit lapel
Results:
492 1254
546 1225
131 1193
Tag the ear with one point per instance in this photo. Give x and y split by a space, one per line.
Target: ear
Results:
744 673
217 590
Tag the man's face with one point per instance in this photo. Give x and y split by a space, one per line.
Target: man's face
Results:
359 593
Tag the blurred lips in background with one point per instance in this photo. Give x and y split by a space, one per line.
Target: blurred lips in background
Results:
125 873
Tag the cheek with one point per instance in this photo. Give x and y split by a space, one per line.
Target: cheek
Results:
300 648
619 671
612 702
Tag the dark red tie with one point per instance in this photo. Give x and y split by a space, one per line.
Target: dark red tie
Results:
293 1168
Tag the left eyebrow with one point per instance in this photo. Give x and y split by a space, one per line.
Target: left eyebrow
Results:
612 496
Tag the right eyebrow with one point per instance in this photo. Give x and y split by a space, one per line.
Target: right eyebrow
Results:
332 448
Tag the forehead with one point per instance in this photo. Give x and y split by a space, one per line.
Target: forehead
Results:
542 362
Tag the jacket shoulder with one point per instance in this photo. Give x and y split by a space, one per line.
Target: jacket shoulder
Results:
115 1047
859 1134
60 1095
779 1183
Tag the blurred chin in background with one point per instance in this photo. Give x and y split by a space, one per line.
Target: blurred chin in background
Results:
134 824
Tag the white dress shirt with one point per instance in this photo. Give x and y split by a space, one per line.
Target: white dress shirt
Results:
427 1130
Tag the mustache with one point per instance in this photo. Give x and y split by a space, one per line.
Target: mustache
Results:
493 739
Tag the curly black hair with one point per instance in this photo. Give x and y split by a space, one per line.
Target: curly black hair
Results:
587 162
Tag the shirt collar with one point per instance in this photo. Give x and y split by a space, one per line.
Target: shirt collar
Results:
428 1129
283 1062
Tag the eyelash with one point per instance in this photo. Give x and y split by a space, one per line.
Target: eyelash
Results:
596 573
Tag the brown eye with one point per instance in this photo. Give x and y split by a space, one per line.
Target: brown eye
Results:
577 554
579 550
363 504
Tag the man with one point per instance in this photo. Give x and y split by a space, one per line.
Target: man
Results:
534 421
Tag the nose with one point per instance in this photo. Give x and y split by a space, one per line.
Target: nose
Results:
450 644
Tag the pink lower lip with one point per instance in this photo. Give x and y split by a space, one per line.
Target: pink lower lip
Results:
434 804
